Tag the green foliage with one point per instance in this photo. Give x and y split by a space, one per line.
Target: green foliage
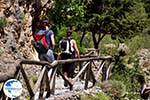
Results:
3 22
76 36
131 78
87 41
119 17
67 13
108 46
99 96
103 96
127 69
122 19
138 42
116 89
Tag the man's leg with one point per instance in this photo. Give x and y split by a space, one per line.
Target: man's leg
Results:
51 55
70 72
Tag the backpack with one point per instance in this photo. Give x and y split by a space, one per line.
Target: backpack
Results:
40 43
66 46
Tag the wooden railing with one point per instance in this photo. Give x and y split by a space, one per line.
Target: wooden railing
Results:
47 83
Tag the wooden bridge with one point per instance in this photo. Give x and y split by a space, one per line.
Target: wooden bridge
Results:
47 82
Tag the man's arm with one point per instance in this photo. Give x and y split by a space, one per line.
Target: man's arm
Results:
53 41
76 48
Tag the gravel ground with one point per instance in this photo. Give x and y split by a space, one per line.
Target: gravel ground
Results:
64 93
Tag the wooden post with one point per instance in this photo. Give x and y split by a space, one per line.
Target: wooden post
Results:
100 69
52 80
47 81
70 84
82 70
37 84
26 81
17 73
43 84
2 95
87 76
108 72
104 69
92 75
80 67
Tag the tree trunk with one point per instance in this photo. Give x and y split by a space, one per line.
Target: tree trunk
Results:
98 40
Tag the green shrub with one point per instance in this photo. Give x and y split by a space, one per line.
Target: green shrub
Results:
138 42
99 96
130 77
103 96
116 89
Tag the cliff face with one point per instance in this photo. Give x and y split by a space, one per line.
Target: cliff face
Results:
16 36
15 40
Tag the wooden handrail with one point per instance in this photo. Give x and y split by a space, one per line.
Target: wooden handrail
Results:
59 62
54 64
6 76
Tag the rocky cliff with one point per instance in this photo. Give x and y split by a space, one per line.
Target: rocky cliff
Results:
16 21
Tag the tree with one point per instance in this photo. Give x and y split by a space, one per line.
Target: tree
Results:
120 18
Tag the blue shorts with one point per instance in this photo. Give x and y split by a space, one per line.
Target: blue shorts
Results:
50 54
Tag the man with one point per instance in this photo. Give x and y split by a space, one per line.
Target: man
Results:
44 44
49 35
68 49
